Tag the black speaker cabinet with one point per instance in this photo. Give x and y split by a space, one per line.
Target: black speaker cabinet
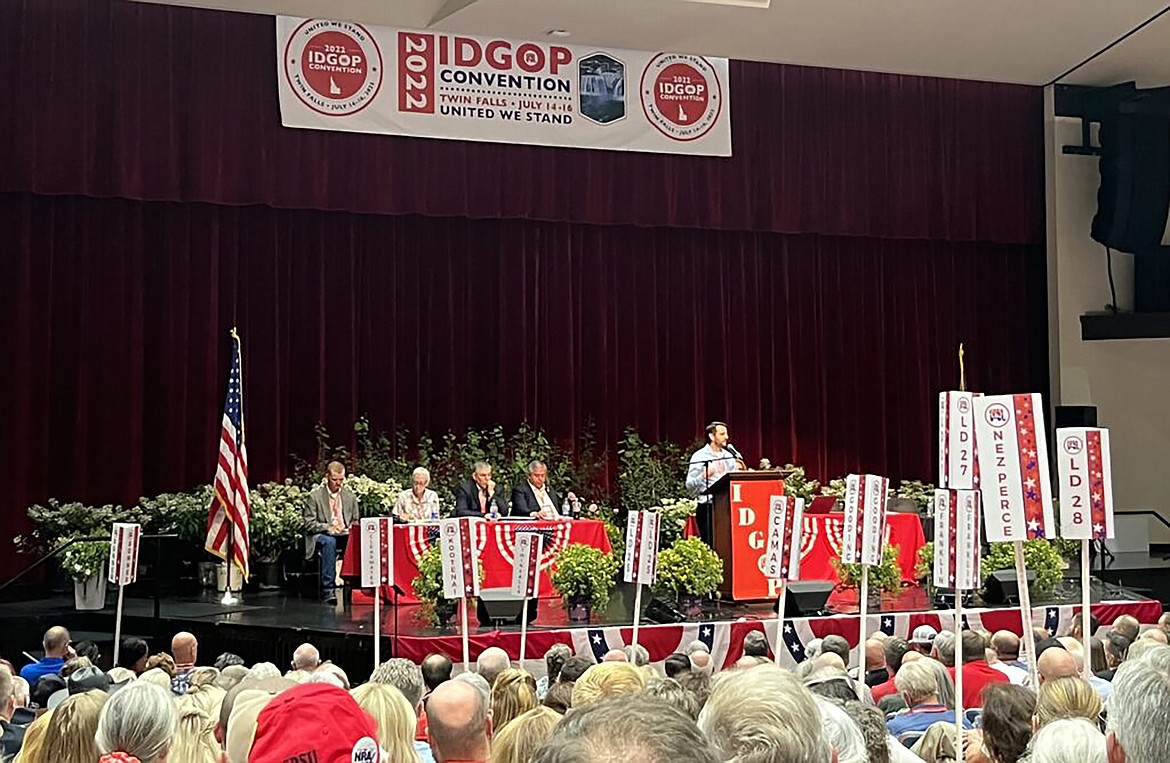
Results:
805 598
498 607
1003 587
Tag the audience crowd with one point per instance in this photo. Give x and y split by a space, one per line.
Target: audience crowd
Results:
898 705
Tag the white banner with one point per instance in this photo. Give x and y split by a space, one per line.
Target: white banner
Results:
957 468
338 75
377 558
460 558
785 528
641 561
123 565
526 565
956 539
1085 472
1013 467
865 519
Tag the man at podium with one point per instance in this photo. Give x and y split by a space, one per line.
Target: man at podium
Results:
707 465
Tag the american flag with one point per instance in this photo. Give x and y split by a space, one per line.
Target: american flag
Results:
230 510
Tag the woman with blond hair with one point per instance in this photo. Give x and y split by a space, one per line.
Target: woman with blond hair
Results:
513 693
395 718
606 680
69 738
32 748
1067 697
194 740
524 735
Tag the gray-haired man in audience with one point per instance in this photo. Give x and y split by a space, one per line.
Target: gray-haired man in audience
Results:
1138 710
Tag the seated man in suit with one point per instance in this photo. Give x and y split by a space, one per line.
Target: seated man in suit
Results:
477 496
534 497
329 511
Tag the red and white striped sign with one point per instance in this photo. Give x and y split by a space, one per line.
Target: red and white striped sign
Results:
1013 467
958 468
1086 483
785 526
377 560
124 553
865 519
641 562
526 565
956 539
460 558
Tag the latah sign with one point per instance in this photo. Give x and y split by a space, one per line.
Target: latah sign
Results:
956 539
526 565
785 525
460 558
957 465
1013 467
865 519
641 561
123 568
377 551
1086 483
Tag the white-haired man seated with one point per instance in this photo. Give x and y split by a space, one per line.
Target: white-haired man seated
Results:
763 714
418 503
1137 710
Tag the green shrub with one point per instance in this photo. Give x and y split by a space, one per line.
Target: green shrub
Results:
688 567
585 572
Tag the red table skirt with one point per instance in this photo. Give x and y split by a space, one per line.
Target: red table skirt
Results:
821 542
495 540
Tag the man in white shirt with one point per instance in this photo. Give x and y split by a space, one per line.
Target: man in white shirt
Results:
418 503
534 497
706 466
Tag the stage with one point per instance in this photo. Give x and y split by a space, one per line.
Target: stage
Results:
268 626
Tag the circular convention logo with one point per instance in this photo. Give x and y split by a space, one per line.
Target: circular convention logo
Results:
1073 445
334 67
997 414
681 95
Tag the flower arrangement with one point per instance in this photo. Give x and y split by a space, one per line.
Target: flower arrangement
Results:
184 514
83 560
1040 556
375 497
609 519
584 572
836 488
55 522
922 494
886 576
688 567
428 585
798 485
924 563
278 522
675 513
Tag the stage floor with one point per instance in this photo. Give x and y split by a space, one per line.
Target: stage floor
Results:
267 625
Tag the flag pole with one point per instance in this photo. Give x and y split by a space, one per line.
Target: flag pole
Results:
1026 610
864 616
780 604
1086 604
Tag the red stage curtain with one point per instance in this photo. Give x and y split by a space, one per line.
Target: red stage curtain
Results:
154 102
827 351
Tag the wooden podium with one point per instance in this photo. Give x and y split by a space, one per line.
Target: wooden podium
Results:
741 502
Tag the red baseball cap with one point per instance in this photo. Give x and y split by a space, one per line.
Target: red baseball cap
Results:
314 723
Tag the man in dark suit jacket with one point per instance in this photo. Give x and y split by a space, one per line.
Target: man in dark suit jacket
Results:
477 496
534 498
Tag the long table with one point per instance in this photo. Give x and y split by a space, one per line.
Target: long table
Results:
495 540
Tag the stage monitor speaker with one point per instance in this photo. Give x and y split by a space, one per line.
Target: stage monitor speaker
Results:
805 598
497 606
658 611
1134 196
1003 587
1076 416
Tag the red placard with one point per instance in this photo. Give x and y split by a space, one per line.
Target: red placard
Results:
751 501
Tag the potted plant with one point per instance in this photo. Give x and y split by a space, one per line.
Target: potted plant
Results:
375 497
674 515
886 576
688 571
584 577
86 562
924 564
277 525
436 610
184 515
